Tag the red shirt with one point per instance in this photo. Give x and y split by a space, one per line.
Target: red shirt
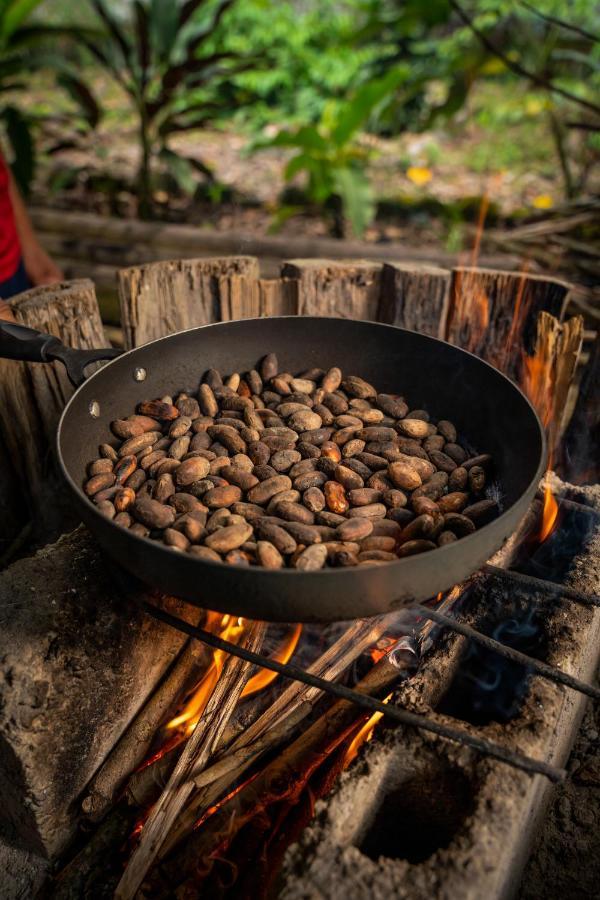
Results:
10 248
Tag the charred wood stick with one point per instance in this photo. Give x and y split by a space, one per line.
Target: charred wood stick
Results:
134 744
560 591
397 713
535 665
145 785
283 779
200 746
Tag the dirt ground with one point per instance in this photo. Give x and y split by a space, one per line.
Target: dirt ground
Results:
565 864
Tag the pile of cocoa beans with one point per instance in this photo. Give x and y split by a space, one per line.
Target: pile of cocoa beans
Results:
276 470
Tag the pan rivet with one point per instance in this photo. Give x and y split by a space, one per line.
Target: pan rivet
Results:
139 374
94 409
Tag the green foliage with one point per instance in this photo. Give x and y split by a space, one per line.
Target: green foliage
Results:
25 47
331 156
167 59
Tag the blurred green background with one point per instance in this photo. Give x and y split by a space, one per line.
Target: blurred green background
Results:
380 119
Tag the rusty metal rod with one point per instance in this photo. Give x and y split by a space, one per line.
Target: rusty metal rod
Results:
536 665
530 581
397 713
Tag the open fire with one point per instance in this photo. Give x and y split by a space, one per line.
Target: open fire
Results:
242 756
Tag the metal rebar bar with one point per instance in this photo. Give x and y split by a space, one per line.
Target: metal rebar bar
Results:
536 665
540 584
397 713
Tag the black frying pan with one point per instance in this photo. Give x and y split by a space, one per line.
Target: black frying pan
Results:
491 414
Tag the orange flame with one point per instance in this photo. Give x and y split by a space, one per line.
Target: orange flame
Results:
365 734
538 386
229 628
263 678
549 514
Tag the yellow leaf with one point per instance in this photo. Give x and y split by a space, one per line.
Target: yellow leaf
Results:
543 201
419 175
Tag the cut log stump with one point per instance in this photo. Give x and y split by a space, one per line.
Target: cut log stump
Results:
348 289
78 658
33 395
164 297
415 296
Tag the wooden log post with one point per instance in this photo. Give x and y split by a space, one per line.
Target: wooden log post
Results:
33 395
494 314
164 297
349 290
277 297
78 659
415 296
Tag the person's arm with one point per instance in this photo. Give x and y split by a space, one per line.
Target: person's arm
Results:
38 265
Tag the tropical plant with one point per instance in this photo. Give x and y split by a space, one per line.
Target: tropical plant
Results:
166 60
28 46
334 159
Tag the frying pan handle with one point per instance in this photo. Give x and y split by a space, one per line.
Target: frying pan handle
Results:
29 345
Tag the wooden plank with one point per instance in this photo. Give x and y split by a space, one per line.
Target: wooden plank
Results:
33 395
415 296
78 231
327 287
164 297
494 313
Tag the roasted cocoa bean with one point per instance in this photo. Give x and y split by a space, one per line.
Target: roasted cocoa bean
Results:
221 497
476 479
394 498
446 537
263 492
99 483
175 539
283 460
126 428
100 467
434 442
434 487
293 512
309 480
364 496
179 447
400 515
404 476
458 479
204 553
140 442
481 512
188 408
268 555
153 514
422 505
348 478
380 482
442 461
459 524
278 536
373 461
228 538
308 450
354 529
331 450
413 428
314 499
484 460
329 519
352 447
455 501
192 470
164 488
240 477
312 558
157 409
370 511
264 472
335 497
447 430
108 452
106 508
411 548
